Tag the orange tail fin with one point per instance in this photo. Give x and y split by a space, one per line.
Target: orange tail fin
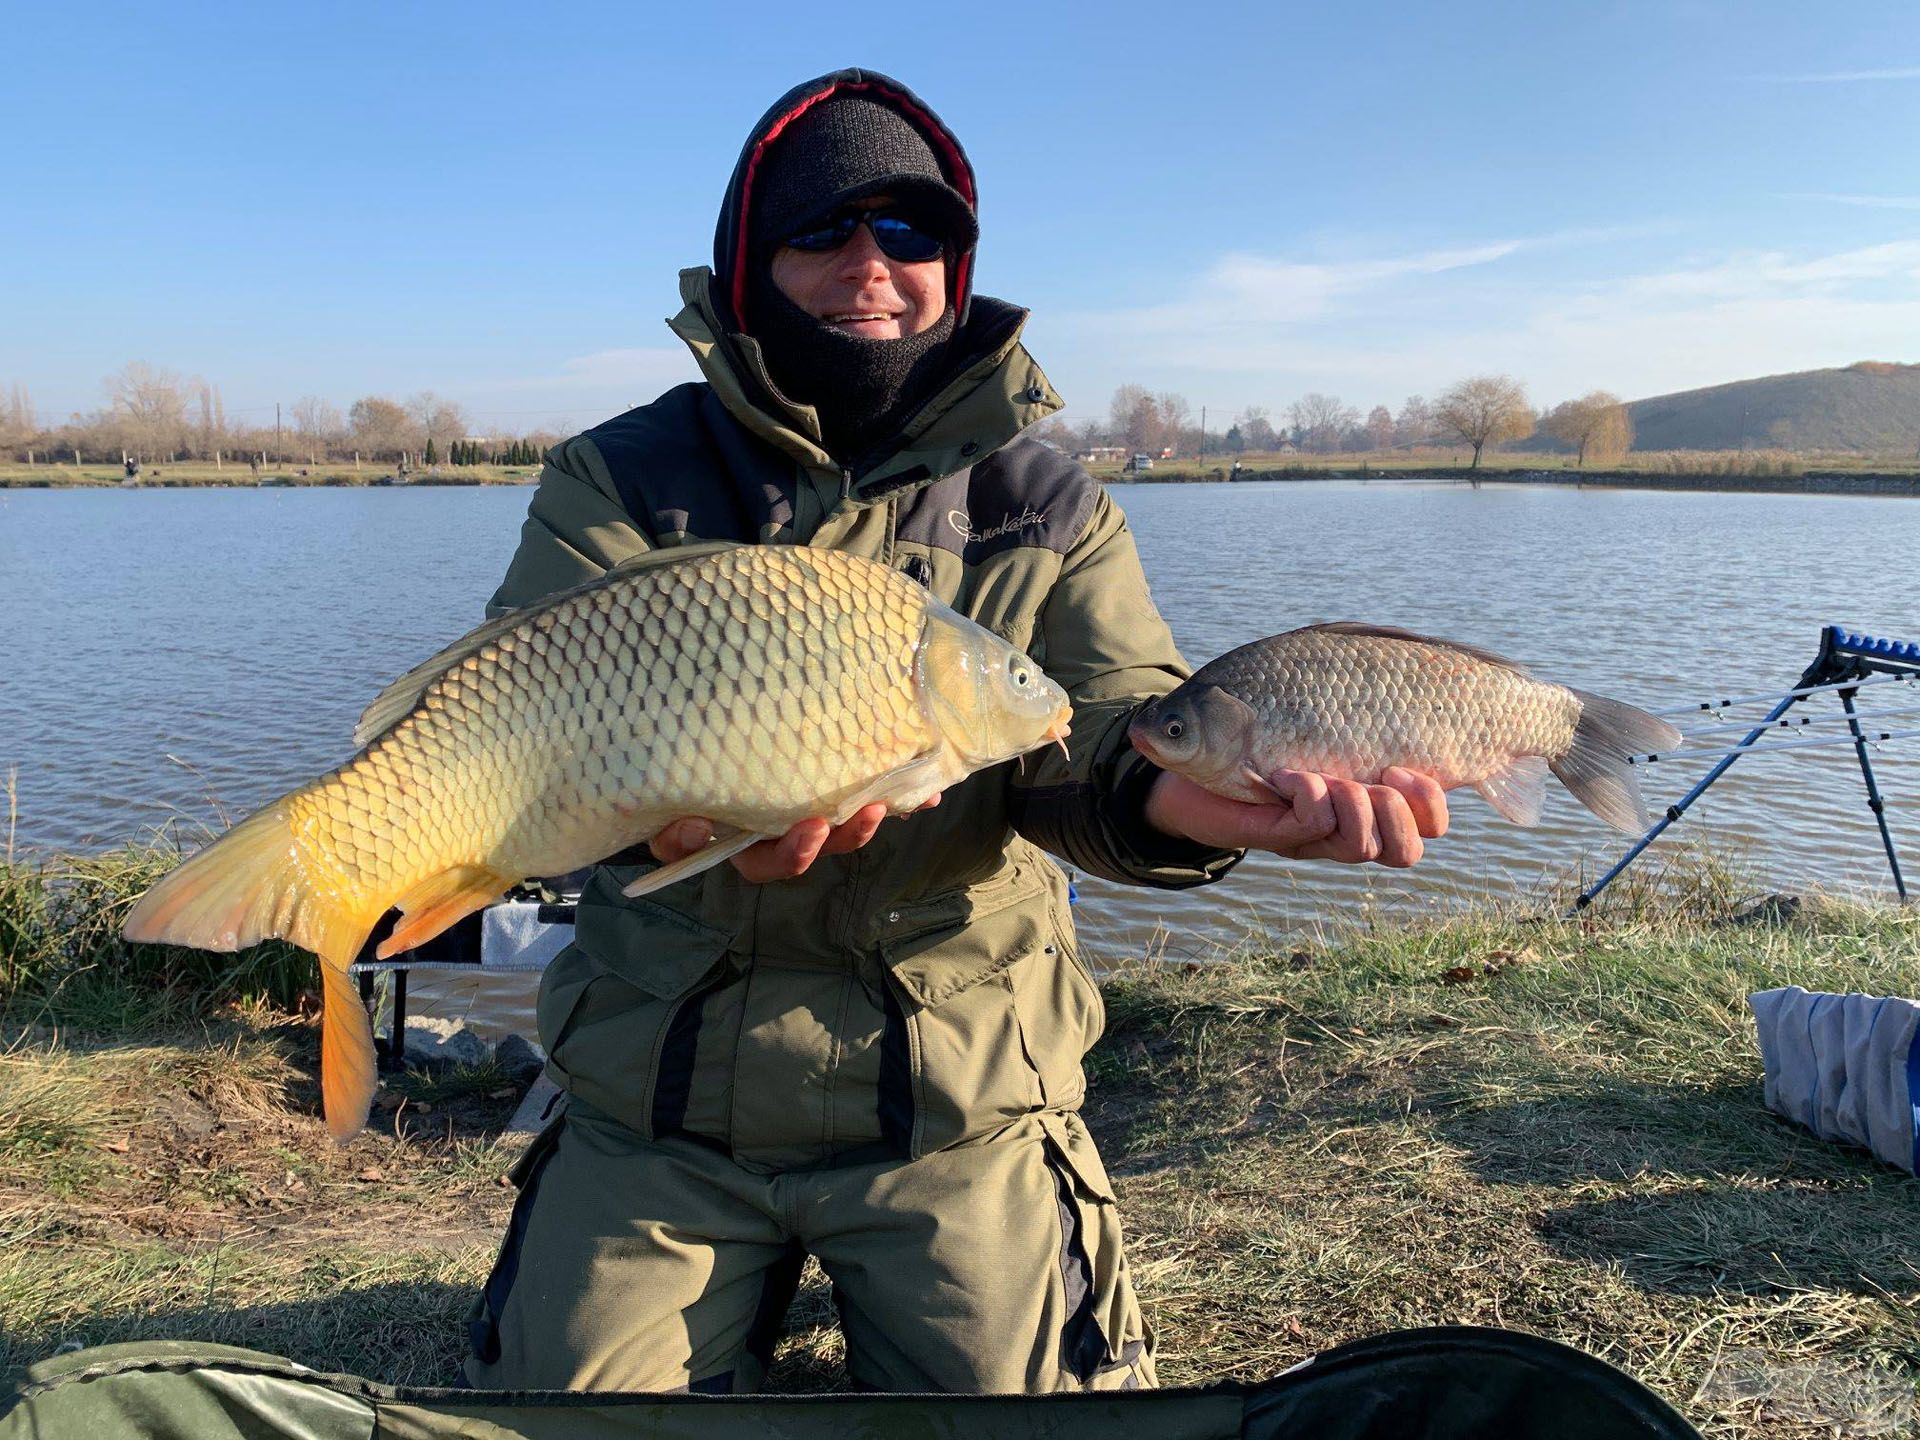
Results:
253 884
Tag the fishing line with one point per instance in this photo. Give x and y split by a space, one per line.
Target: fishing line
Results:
1870 737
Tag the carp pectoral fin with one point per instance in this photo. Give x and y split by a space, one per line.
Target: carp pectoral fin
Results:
1262 787
1518 791
445 899
724 846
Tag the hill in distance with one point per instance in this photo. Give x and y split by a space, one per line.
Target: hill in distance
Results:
1872 405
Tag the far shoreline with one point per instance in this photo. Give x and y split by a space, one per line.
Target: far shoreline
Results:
1692 471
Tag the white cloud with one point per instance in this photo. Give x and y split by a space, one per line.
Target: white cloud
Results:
1877 202
1847 77
1261 330
649 369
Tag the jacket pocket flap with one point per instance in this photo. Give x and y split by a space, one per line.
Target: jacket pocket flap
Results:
953 942
1068 1139
649 945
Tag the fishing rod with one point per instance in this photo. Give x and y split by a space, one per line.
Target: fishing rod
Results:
1801 722
1794 694
1847 662
1767 747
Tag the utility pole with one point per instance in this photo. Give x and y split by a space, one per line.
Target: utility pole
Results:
276 427
1203 430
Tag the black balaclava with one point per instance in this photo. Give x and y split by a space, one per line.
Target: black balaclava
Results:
841 149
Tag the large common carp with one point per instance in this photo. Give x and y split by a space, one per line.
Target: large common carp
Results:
755 685
1350 700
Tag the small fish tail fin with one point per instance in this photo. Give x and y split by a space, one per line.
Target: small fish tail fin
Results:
1595 766
253 884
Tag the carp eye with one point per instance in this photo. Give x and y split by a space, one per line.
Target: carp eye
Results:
1175 729
1021 675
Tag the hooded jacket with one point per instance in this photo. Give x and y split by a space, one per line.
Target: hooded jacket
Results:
926 989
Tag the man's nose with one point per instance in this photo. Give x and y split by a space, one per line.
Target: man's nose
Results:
861 258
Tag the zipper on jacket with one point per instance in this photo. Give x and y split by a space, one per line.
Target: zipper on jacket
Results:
846 483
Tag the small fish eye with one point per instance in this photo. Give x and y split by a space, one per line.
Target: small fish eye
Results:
1175 729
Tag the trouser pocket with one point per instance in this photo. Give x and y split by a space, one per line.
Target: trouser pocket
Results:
483 1321
1105 1343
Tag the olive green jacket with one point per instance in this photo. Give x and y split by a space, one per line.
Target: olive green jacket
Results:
926 989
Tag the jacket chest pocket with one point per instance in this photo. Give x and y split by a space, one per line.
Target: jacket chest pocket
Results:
968 1055
621 1007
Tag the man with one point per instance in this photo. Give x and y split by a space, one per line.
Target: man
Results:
863 1042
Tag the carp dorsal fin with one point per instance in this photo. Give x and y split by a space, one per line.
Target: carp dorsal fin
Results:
1394 632
395 702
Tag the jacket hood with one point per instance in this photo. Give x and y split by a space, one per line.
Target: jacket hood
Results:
730 234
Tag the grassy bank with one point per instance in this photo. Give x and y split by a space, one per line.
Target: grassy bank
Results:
1544 1124
196 474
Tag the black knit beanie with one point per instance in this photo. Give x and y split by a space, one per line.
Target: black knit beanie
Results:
846 148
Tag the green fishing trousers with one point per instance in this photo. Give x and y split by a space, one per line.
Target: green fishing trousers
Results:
657 1265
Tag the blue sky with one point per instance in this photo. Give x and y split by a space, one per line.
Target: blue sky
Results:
1237 203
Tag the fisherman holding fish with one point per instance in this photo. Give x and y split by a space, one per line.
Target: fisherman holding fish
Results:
863 1041
747 623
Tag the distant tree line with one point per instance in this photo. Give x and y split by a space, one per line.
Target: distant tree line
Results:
154 414
1480 411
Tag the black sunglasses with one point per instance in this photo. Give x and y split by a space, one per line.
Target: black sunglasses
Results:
898 237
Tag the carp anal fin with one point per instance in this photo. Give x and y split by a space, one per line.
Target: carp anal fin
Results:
723 846
1519 791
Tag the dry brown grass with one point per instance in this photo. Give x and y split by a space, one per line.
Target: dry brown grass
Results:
1549 1125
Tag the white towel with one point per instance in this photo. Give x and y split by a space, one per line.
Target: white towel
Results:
1845 1066
512 937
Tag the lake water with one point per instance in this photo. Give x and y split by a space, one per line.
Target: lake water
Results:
187 655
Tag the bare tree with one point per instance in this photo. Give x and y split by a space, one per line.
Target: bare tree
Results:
17 426
211 436
1137 422
1256 428
440 421
1176 419
317 421
1414 424
1596 424
1485 410
149 405
381 427
1380 428
1321 421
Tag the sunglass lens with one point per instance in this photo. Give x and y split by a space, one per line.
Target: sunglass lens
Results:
901 239
830 236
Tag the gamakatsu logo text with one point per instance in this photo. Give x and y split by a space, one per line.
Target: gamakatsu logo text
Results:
962 524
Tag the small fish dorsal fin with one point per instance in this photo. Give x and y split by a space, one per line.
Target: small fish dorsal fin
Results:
398 699
1394 632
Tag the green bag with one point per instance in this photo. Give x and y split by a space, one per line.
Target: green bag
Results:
1441 1384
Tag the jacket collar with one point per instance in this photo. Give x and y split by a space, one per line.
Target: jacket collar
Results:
995 393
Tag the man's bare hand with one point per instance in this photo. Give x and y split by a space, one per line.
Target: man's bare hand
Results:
1313 817
778 859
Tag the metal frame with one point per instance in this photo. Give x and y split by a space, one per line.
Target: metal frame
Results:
1845 656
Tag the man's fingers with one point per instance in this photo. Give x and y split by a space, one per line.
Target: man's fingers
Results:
1394 822
1356 835
680 838
786 857
1424 796
1306 794
855 831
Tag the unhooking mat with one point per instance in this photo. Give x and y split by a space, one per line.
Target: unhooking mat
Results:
1845 1066
1442 1384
